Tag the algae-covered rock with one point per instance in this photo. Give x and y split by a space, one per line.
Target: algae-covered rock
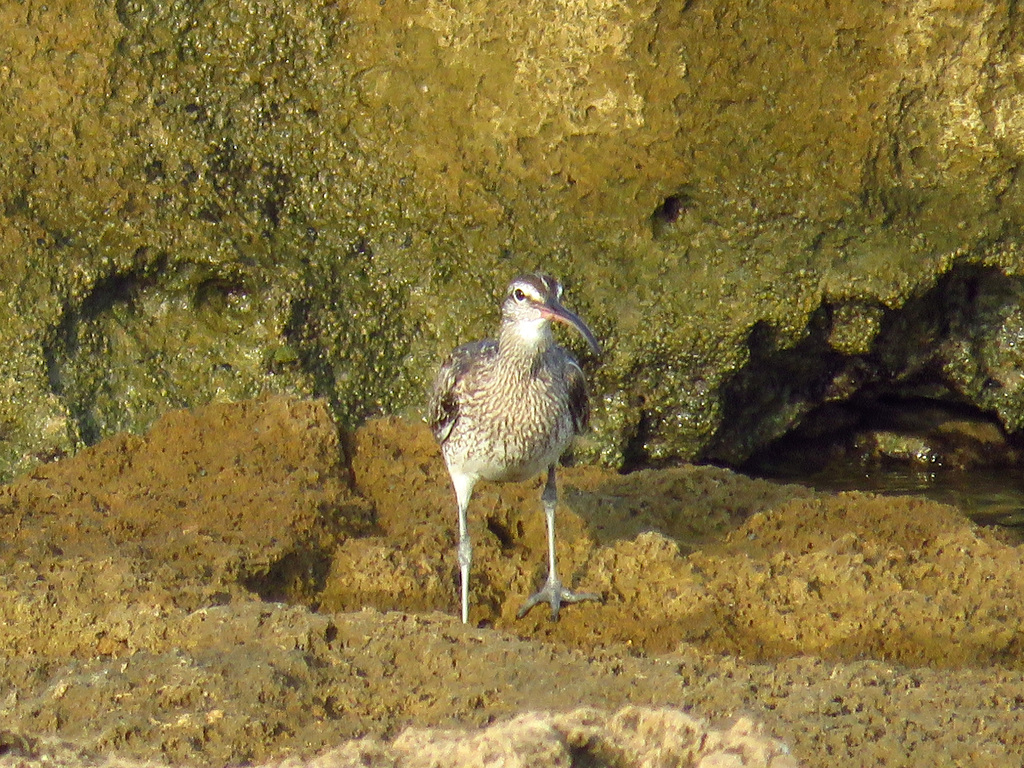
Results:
209 201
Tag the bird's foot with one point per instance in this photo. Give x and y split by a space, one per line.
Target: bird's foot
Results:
554 593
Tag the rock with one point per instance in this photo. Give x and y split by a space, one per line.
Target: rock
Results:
143 616
631 737
760 210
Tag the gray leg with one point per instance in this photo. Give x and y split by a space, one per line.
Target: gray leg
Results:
463 491
553 592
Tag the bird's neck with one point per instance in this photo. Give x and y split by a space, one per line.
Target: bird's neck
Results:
520 345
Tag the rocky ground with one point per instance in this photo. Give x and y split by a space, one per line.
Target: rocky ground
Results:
244 585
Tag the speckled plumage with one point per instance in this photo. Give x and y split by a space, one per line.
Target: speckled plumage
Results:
541 411
506 410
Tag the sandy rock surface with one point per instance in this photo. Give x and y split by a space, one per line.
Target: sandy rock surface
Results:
242 584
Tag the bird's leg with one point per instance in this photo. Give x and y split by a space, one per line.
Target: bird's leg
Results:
553 592
463 491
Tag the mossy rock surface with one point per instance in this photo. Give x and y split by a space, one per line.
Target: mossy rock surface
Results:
208 201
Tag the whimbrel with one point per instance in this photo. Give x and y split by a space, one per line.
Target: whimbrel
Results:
506 409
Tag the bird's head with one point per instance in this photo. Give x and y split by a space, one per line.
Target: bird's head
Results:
532 302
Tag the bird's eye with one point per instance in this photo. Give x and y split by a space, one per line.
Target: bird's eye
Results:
518 294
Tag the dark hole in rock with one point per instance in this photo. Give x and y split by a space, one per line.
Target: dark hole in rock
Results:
890 431
926 400
635 455
948 451
501 532
298 577
215 293
16 745
670 210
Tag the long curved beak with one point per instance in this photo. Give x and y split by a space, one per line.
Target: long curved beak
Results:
555 311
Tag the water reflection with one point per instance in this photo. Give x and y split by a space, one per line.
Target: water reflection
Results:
919 446
986 496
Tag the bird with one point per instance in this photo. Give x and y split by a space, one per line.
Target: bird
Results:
506 409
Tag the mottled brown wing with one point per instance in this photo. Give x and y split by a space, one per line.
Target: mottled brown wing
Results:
443 410
579 400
